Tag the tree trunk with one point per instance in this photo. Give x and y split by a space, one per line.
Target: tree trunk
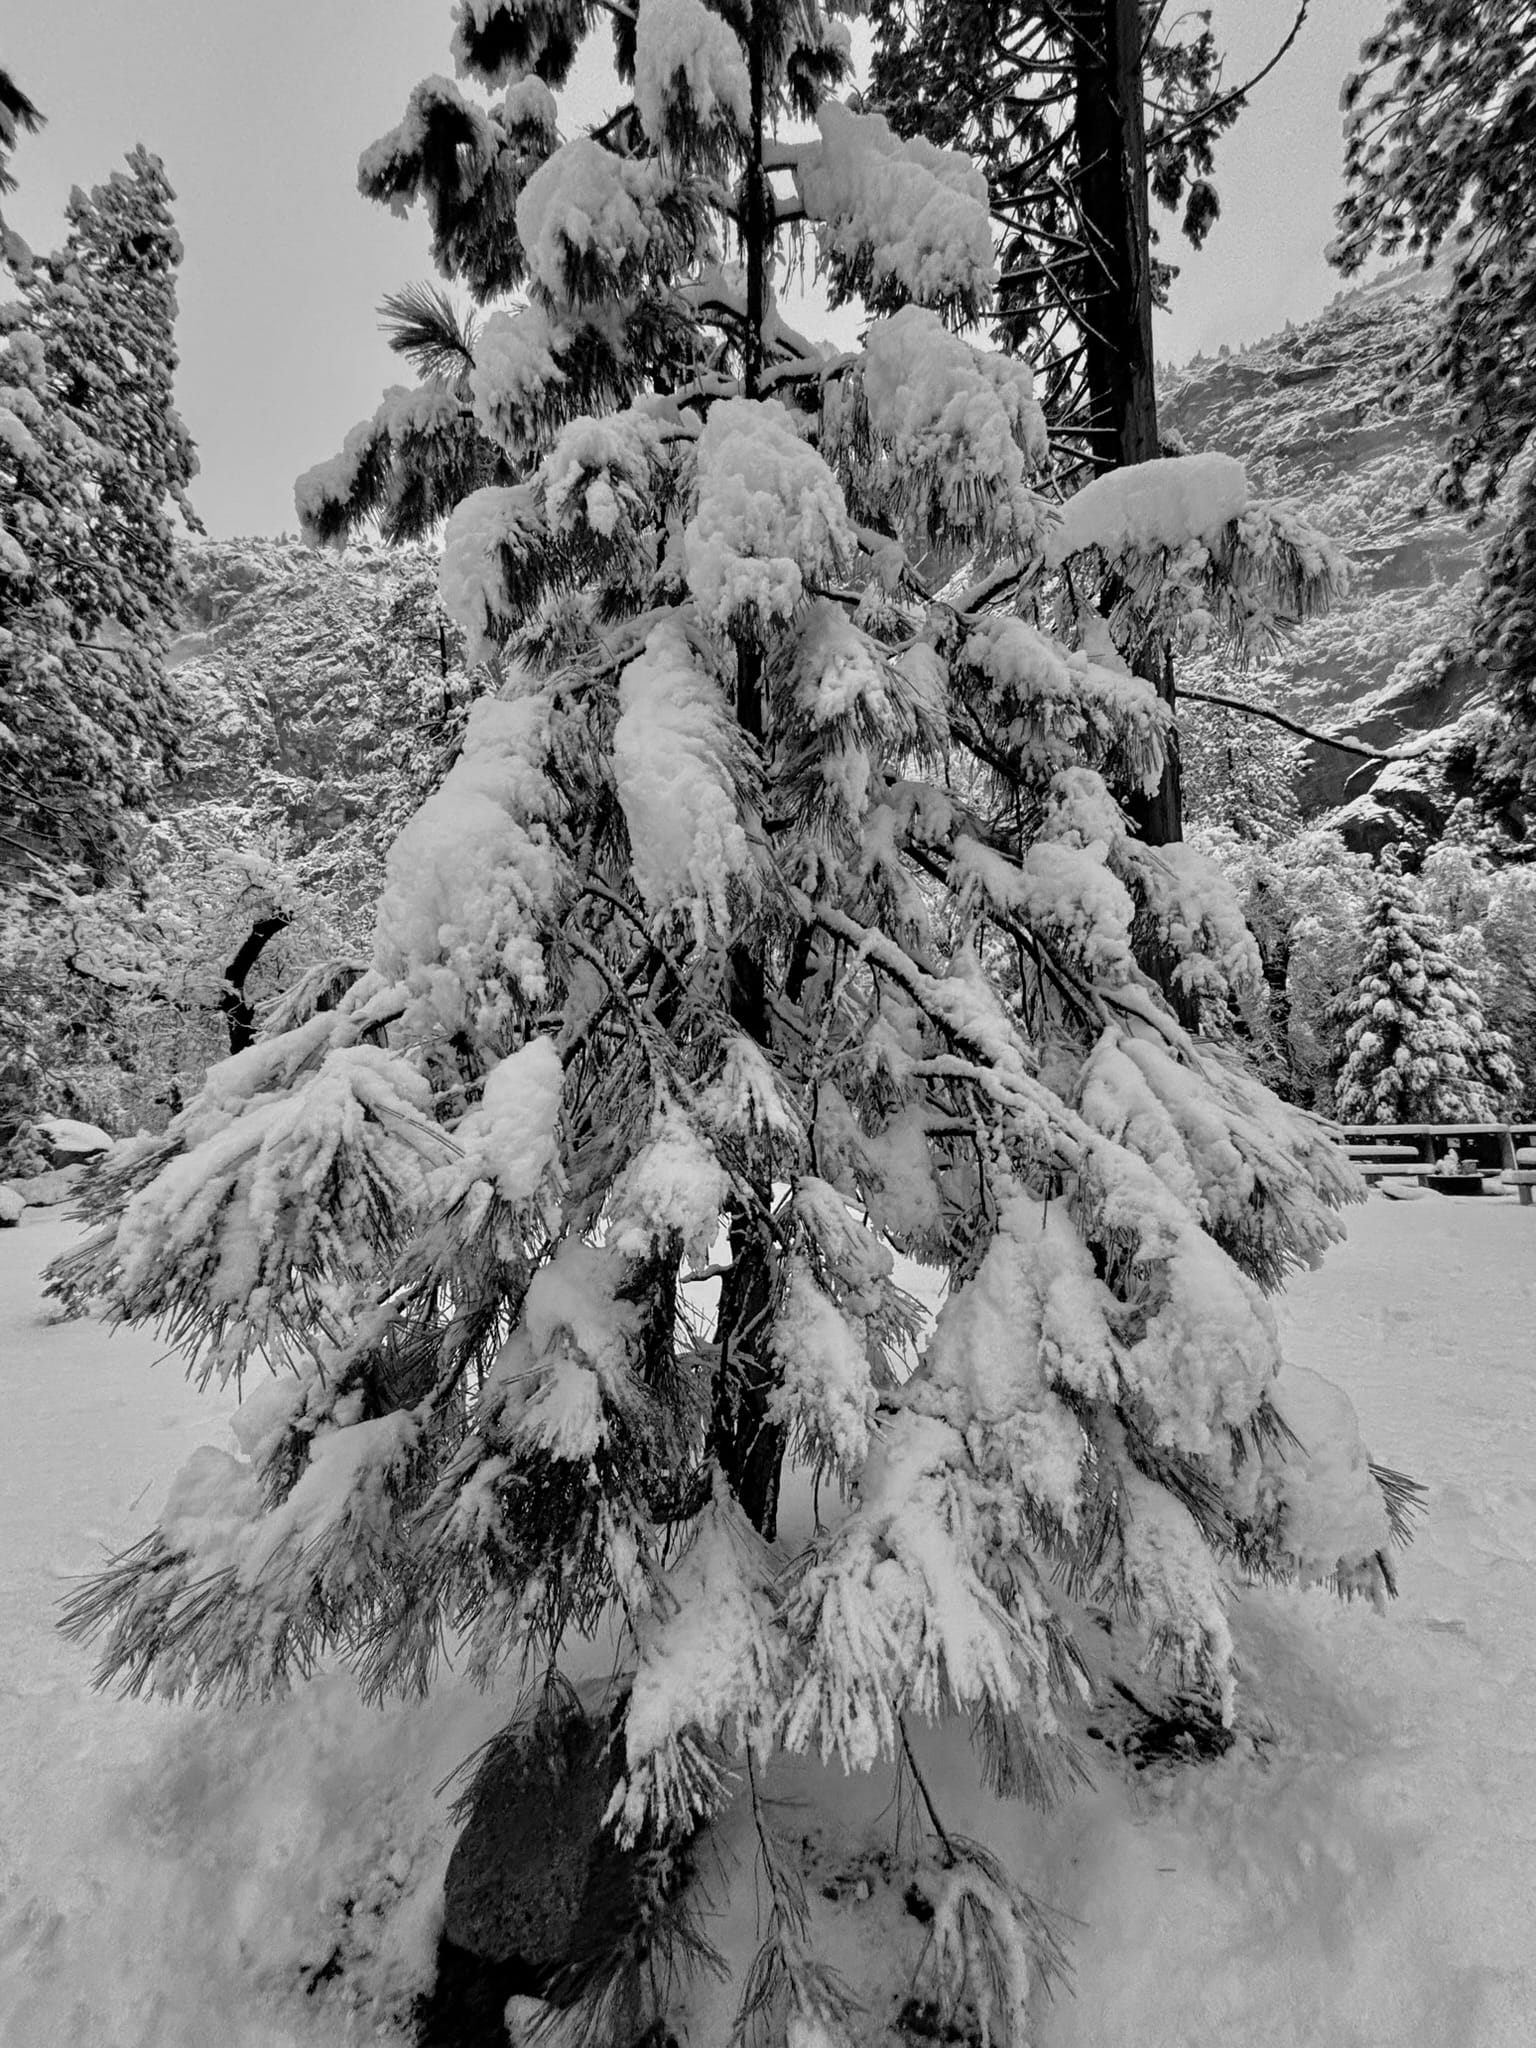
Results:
747 1445
238 1013
1109 122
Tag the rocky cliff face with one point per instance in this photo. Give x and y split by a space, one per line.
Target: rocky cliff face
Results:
1333 417
312 676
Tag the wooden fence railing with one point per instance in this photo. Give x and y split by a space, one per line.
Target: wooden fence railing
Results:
1421 1151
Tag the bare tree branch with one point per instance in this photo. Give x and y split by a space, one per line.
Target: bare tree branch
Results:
1239 92
1323 739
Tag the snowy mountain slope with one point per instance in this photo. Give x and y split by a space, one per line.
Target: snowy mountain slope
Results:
1359 1869
1314 415
317 677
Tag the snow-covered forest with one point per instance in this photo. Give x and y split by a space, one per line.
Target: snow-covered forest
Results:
730 1018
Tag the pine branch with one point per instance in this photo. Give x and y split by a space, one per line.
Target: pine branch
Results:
1238 95
422 323
1306 732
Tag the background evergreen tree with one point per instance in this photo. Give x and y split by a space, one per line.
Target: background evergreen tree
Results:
1416 1048
775 919
93 462
1441 153
1081 112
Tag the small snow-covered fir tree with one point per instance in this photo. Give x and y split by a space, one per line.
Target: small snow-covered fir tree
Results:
776 919
1416 1048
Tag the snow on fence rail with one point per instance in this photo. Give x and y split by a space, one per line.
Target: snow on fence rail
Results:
1388 1151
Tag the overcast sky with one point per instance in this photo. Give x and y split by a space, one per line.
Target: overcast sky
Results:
260 112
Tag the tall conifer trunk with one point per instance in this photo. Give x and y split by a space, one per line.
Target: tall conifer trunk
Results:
1109 119
748 1446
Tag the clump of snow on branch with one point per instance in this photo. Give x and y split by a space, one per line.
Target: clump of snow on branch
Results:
1062 708
913 214
710 1657
892 1609
826 1396
1205 1345
675 762
1175 1584
271 1184
1065 890
484 527
392 165
960 428
471 878
332 484
1159 504
582 220
838 671
770 517
567 1363
1033 1313
674 1187
517 360
1332 1512
599 471
689 68
510 1137
1201 921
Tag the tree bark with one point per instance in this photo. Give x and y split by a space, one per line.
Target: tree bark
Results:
238 1013
1109 120
747 1445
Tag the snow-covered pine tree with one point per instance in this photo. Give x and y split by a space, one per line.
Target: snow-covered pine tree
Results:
1416 1048
776 920
93 461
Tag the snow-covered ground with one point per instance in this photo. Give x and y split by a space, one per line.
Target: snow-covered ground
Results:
1359 1869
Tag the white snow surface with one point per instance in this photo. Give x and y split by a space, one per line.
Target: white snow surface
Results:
67 1134
1357 1871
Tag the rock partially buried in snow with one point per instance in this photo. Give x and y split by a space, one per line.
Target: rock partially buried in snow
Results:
11 1206
517 1881
47 1190
68 1141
